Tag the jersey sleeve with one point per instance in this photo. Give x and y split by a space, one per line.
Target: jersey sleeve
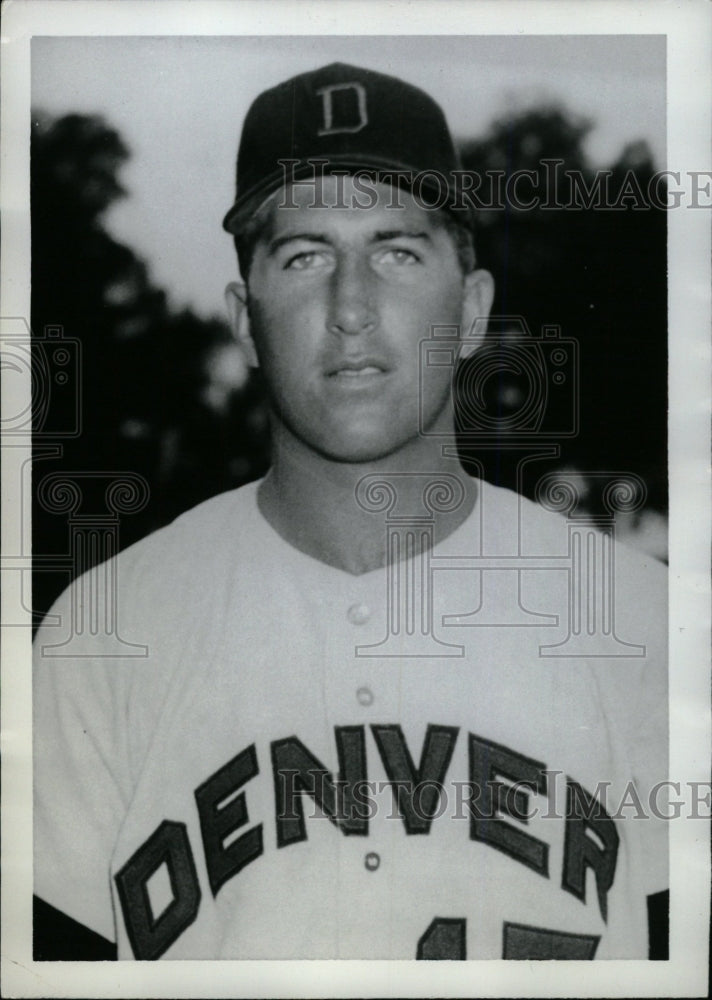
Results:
80 771
651 769
648 732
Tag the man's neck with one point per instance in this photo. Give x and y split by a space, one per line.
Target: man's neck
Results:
336 511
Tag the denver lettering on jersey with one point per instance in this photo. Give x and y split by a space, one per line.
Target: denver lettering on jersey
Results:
591 839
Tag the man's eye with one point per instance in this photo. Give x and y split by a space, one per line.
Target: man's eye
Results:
305 260
397 255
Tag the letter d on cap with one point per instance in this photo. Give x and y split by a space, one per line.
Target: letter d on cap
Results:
345 109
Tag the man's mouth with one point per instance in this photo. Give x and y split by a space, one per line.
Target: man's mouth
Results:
357 369
357 372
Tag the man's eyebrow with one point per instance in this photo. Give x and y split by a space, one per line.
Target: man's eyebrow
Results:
400 234
280 241
380 236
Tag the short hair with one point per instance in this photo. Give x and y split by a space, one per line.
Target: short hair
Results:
249 233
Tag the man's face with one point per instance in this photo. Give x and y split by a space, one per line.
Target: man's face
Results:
339 300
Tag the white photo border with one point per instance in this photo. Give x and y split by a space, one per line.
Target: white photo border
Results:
687 27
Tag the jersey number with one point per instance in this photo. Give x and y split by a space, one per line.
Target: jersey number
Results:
445 939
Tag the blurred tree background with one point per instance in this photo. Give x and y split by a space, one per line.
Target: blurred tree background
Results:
164 394
601 276
167 394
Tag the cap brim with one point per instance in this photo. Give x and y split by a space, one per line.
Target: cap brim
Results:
247 203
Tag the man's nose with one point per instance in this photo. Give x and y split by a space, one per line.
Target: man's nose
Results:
351 302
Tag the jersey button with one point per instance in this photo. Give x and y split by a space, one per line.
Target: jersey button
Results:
358 614
364 696
372 861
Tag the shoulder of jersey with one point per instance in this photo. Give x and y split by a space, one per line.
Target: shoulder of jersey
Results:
199 542
189 553
546 531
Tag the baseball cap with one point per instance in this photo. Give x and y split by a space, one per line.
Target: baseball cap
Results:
351 119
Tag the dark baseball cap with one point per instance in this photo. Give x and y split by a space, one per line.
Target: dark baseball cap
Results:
349 119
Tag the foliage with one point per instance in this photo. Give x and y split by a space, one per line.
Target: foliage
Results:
148 402
598 274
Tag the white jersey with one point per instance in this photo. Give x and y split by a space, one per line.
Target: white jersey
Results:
294 771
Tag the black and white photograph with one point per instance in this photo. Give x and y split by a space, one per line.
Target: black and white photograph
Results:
356 441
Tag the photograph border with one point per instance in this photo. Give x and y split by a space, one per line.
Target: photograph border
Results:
687 27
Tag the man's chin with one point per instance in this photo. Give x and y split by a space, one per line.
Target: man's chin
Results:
368 451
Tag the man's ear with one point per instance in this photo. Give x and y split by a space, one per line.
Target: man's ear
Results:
476 306
236 300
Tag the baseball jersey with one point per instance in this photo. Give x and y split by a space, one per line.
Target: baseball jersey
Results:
450 759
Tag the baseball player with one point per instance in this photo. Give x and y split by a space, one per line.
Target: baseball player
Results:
384 710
